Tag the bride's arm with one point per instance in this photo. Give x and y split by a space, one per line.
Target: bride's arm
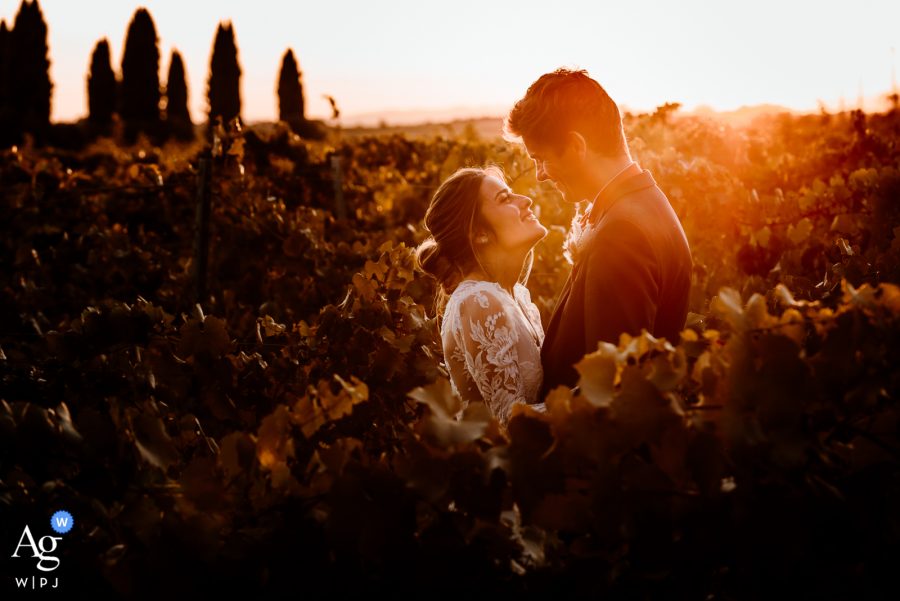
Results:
491 346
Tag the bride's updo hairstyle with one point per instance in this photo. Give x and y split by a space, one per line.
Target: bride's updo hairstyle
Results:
453 217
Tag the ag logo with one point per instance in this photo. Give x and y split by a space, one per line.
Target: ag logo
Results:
42 550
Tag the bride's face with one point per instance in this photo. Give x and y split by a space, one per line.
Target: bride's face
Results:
515 227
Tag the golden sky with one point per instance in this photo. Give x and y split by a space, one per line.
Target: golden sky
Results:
378 57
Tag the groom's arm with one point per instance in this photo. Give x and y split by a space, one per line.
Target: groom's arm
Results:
621 285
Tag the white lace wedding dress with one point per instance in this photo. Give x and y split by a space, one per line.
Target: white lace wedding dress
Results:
492 346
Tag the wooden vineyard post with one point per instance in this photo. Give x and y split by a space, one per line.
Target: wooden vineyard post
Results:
201 238
340 209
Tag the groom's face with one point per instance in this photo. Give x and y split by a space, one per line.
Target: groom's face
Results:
559 165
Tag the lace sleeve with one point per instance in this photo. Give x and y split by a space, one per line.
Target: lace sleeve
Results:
488 339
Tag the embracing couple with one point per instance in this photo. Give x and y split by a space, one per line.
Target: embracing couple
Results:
632 265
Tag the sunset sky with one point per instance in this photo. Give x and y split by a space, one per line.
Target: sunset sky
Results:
480 56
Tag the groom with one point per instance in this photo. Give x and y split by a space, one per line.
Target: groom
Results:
632 270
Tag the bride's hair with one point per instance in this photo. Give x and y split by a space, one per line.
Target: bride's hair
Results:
453 215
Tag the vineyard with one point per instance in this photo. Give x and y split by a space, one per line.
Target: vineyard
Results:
286 425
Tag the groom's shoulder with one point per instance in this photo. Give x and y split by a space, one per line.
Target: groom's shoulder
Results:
638 202
631 215
647 209
643 218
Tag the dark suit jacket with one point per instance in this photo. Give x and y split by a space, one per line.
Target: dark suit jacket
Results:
634 272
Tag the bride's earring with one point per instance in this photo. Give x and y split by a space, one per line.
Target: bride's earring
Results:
482 239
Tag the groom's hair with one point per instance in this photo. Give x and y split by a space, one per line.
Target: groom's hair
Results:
567 100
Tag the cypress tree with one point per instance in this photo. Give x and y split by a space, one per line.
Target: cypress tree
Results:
290 92
101 88
5 37
29 70
139 102
224 92
7 137
178 117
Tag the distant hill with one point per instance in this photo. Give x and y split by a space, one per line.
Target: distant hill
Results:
490 127
449 123
740 116
420 116
485 128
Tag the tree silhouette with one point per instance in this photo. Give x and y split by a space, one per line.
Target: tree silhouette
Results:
139 102
894 100
101 88
224 77
7 135
178 117
29 71
290 92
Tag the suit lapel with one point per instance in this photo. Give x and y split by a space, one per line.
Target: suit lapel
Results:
553 326
618 189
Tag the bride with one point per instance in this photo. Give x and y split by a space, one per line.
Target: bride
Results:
480 251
